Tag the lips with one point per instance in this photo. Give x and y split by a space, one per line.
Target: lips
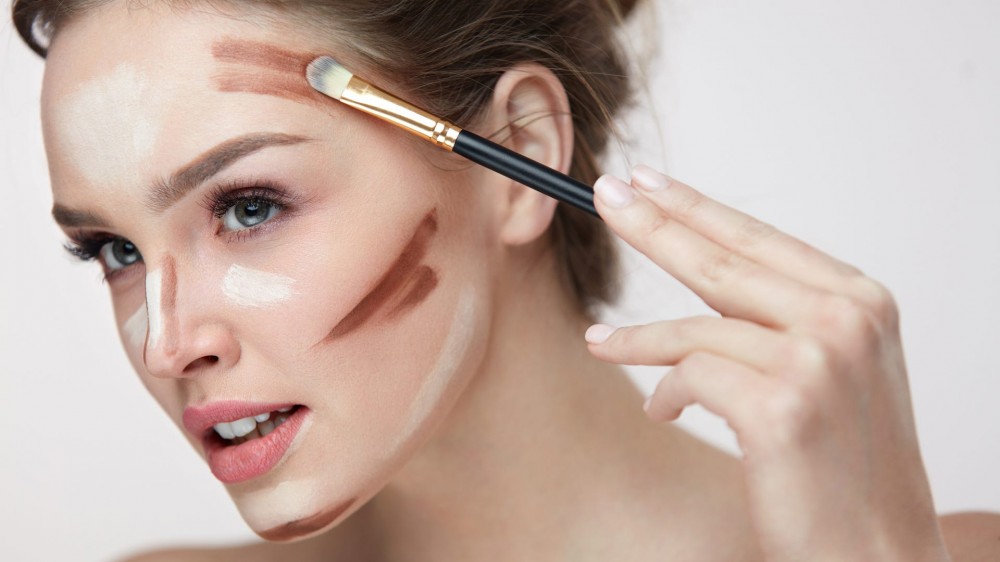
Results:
252 453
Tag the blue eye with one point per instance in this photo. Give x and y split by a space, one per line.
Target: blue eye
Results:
249 212
118 254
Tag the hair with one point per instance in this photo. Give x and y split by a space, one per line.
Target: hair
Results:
450 55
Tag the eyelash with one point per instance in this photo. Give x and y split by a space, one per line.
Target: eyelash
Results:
87 246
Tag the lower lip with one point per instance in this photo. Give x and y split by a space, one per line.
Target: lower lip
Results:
238 463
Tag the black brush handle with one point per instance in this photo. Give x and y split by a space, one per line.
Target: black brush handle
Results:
526 171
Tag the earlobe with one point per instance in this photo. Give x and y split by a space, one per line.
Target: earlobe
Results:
531 104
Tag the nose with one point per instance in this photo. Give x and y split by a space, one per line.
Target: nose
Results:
182 343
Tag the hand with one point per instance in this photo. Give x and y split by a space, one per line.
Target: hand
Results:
805 364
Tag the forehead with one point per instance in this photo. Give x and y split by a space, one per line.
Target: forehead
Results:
122 85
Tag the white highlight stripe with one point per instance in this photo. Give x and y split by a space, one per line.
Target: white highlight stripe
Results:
256 289
452 353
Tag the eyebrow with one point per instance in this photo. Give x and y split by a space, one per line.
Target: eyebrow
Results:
212 162
71 218
165 193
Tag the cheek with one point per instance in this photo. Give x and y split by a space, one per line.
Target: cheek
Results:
134 329
435 381
250 288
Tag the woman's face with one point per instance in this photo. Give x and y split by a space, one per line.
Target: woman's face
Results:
266 249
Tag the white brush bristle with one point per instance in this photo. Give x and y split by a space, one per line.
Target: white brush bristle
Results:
328 77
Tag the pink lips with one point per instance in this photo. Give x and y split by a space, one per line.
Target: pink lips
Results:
238 463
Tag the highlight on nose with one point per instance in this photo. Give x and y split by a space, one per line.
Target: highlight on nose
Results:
161 304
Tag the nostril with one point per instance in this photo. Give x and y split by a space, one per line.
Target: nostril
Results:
202 363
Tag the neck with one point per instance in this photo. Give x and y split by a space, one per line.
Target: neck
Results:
545 446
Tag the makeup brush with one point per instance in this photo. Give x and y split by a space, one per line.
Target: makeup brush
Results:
329 78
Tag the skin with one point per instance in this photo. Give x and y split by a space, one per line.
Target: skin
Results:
462 415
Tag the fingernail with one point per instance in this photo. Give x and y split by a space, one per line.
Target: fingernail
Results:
649 179
645 405
614 192
599 333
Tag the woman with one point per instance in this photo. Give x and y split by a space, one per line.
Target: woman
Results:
380 350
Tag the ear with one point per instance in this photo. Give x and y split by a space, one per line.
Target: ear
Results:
531 111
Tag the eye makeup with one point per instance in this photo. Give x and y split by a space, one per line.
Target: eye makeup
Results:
405 285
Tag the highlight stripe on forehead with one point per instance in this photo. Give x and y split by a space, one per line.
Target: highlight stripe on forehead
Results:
407 280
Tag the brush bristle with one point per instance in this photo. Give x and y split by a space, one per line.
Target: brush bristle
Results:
328 77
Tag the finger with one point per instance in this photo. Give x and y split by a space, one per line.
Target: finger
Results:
728 282
742 233
726 388
668 342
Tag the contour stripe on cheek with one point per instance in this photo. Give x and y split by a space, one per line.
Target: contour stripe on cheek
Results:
252 288
405 273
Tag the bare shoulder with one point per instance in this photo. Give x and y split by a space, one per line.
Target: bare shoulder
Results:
253 552
972 536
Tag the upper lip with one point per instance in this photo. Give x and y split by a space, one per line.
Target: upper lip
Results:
198 420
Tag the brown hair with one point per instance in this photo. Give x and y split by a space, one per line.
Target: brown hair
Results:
449 55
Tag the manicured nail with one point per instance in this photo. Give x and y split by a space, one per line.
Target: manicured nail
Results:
599 333
645 405
649 179
614 192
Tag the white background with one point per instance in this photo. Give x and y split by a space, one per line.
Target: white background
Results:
868 128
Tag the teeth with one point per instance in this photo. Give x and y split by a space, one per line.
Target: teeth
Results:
265 428
224 430
250 427
243 426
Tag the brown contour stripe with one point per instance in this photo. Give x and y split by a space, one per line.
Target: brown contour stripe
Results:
423 282
260 54
168 305
284 75
397 278
279 86
301 527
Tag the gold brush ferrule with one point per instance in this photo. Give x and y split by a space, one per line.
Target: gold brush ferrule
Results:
371 100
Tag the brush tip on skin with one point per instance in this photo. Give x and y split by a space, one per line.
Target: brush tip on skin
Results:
328 77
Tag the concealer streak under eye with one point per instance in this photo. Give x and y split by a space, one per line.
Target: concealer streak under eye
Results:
404 286
263 68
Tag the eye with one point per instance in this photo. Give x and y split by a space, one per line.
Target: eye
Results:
247 213
119 253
